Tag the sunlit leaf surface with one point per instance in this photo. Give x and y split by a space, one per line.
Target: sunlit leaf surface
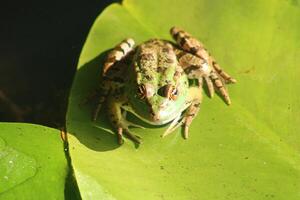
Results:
249 150
32 162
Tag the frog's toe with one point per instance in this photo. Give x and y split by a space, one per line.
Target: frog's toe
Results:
135 125
125 131
186 132
134 138
227 78
173 126
220 86
120 136
210 86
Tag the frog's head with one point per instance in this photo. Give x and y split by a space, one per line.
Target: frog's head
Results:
158 96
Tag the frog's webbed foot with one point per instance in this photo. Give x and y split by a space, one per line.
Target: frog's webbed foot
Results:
215 77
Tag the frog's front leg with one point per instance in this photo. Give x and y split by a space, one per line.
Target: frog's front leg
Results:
195 99
101 93
119 121
190 114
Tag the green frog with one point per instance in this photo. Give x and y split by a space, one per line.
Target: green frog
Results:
158 81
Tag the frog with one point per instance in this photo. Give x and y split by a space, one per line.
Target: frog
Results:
160 82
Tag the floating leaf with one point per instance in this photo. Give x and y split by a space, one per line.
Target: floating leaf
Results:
249 150
32 162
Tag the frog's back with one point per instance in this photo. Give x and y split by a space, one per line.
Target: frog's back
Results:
155 61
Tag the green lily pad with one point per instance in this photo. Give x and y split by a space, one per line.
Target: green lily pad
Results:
32 162
249 150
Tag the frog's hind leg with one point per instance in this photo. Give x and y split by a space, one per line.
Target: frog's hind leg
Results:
196 68
118 53
198 63
194 46
189 44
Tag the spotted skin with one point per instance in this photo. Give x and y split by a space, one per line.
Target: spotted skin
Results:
151 81
111 85
118 53
218 77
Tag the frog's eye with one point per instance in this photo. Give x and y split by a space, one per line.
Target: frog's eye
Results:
145 90
173 94
141 91
169 91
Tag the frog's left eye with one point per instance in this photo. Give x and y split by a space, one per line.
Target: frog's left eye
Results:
173 93
169 91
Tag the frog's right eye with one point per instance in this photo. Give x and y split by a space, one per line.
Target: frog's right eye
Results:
145 91
141 91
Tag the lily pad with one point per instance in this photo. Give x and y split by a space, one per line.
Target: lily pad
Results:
32 162
249 150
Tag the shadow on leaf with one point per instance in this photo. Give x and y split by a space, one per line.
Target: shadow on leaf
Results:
97 136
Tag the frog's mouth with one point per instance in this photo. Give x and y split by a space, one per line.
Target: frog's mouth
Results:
155 119
161 117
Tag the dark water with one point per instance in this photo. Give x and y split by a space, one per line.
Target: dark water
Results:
40 43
